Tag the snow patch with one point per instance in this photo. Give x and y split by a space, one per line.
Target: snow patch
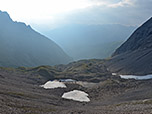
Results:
53 84
114 74
67 80
76 95
146 77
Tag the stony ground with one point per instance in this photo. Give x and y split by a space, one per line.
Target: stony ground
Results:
20 91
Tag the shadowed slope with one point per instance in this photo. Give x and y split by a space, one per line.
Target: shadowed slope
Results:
20 45
134 56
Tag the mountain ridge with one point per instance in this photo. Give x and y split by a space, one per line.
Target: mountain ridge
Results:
20 45
134 55
82 41
138 37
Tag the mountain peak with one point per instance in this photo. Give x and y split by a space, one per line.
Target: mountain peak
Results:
149 21
4 17
134 56
20 45
140 39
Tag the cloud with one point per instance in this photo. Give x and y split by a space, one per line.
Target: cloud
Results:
40 11
123 3
107 1
112 3
126 12
52 13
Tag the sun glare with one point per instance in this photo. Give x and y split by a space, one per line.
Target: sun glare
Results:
40 10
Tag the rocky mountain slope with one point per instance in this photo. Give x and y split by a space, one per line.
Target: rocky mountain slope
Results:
134 56
20 91
20 45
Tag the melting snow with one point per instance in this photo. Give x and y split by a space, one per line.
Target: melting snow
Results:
67 80
53 84
114 74
136 77
77 96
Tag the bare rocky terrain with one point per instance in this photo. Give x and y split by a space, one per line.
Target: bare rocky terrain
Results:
20 91
134 55
21 45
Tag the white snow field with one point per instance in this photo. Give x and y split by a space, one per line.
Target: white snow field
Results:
53 84
114 74
146 77
76 95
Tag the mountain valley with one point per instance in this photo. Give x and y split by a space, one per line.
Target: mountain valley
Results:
27 65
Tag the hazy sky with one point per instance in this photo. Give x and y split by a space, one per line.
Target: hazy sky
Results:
55 12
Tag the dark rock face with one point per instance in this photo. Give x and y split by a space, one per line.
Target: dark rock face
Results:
20 45
134 56
140 39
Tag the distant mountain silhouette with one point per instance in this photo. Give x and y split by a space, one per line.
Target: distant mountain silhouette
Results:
20 45
135 55
90 41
